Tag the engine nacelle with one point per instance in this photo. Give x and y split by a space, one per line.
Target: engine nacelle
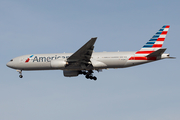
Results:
70 73
58 63
98 64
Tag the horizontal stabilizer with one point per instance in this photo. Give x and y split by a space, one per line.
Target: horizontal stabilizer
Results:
172 57
156 53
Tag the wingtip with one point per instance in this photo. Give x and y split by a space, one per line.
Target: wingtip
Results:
94 37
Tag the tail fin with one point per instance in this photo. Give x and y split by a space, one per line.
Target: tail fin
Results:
154 43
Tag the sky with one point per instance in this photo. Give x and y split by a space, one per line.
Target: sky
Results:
145 92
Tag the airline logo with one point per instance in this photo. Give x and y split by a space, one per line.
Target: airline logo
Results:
27 60
35 58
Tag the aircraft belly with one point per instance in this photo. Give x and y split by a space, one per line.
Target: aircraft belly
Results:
130 63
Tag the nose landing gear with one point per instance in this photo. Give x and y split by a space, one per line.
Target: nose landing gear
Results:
20 72
20 76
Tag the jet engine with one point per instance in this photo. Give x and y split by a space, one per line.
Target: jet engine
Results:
58 63
70 73
98 64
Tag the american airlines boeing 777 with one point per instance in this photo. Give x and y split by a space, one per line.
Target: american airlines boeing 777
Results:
84 60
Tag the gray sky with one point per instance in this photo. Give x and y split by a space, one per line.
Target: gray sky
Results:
145 92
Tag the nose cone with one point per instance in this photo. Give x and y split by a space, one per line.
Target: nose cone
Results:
10 65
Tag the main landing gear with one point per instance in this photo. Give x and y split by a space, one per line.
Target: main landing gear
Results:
20 72
88 74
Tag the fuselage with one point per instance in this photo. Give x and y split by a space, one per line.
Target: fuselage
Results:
103 59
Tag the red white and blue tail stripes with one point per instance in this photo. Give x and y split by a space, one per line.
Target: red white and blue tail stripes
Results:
152 45
155 42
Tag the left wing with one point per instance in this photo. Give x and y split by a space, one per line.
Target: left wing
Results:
82 56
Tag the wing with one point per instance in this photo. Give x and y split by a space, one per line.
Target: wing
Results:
82 56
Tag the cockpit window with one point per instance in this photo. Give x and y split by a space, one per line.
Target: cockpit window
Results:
11 60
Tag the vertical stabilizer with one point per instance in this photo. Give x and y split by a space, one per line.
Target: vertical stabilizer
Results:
154 43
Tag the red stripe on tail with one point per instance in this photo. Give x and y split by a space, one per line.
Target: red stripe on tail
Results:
157 45
160 39
144 52
164 33
167 26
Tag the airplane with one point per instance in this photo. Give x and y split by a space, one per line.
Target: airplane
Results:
84 61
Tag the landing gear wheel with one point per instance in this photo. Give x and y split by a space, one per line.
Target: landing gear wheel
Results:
91 77
87 76
95 78
20 72
84 73
20 76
